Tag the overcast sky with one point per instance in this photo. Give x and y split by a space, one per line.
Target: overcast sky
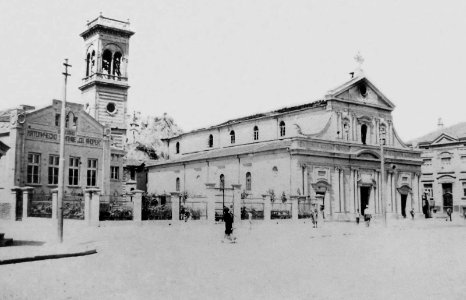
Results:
204 62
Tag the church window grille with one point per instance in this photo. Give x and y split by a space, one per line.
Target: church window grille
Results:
282 128
177 184
427 162
53 169
248 181
232 137
256 133
33 170
363 133
211 141
73 171
446 161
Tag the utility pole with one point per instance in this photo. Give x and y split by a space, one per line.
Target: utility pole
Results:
382 176
61 165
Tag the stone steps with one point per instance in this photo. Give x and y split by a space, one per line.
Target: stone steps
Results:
5 242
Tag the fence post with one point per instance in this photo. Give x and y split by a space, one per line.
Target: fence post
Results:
175 201
294 208
137 205
27 191
237 202
210 193
92 206
54 203
14 191
267 207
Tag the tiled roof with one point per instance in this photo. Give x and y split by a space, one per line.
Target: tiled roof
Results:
261 115
224 152
456 131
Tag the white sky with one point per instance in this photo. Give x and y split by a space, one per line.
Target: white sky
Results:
204 62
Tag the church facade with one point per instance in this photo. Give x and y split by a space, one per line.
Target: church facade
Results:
326 151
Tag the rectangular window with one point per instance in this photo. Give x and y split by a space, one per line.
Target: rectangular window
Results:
91 172
53 169
33 170
445 161
132 174
427 162
115 172
73 171
321 173
463 159
464 189
404 178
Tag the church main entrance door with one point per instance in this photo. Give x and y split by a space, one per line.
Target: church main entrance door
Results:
365 194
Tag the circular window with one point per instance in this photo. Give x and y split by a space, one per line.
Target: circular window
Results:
111 107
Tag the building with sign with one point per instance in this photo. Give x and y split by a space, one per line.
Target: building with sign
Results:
94 136
444 167
326 152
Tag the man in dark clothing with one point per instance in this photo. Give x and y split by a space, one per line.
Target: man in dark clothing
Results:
228 219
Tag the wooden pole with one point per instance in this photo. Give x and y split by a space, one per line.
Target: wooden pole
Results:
61 165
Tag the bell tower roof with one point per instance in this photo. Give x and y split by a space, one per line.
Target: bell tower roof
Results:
103 24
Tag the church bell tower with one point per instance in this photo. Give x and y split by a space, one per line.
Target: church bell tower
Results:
105 83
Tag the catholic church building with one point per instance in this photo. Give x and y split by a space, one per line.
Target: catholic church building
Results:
95 134
326 152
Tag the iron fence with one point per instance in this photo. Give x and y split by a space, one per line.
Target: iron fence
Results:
40 205
280 210
116 208
156 207
256 209
197 210
305 209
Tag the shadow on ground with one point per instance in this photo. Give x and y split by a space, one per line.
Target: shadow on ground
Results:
27 243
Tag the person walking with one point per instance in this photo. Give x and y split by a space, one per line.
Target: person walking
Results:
358 216
412 213
315 217
449 214
367 216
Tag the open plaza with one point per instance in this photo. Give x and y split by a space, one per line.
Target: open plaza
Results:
410 259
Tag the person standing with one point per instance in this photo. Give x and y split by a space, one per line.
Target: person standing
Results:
367 216
449 214
412 213
358 215
228 219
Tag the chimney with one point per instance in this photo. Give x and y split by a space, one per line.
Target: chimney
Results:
440 123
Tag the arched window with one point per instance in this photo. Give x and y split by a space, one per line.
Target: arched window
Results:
116 64
92 69
363 133
106 61
256 133
282 128
177 184
248 181
232 136
71 121
88 64
211 141
177 146
222 181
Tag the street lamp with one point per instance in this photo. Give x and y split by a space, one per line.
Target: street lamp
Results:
382 173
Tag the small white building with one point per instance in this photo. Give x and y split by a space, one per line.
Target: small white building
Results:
327 151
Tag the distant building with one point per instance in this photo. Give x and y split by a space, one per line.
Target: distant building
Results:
444 167
326 151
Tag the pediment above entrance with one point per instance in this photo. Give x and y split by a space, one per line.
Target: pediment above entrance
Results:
361 90
444 138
